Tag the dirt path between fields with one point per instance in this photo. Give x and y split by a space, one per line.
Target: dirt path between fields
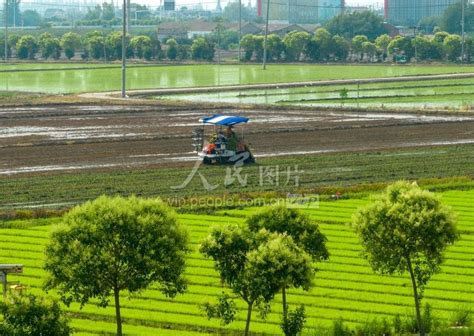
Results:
223 88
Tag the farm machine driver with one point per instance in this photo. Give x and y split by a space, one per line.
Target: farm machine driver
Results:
222 145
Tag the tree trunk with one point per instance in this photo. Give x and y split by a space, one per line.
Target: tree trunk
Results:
285 306
117 311
415 295
249 316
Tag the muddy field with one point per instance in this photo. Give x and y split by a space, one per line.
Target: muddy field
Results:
65 138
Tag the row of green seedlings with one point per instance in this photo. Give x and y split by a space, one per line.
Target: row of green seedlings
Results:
401 325
114 244
376 173
379 87
318 283
257 268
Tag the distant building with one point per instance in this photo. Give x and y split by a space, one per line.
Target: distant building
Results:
300 11
410 12
169 5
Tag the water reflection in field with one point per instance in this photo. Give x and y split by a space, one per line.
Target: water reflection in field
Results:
88 79
439 93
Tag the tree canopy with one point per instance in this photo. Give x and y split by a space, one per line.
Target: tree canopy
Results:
33 316
451 19
116 244
406 229
255 266
357 23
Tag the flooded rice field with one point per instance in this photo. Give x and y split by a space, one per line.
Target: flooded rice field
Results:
446 93
70 138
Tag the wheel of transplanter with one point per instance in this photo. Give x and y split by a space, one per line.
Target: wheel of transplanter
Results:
250 158
207 161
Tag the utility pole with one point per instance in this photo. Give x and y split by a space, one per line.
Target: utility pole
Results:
240 29
414 40
5 57
124 48
266 38
463 18
128 16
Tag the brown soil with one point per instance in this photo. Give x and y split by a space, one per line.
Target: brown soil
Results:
56 138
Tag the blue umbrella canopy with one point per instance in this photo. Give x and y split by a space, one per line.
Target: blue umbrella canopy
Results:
224 120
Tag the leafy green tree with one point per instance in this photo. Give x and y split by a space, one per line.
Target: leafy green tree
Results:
255 266
113 43
382 43
324 41
49 46
172 51
452 47
275 47
248 45
94 43
440 36
451 19
31 18
202 49
370 49
340 47
295 43
349 25
26 47
406 229
30 315
183 51
228 38
13 40
312 50
228 246
259 40
357 45
401 45
116 244
301 229
141 46
274 266
425 48
70 42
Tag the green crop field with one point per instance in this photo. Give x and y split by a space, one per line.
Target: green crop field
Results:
90 80
345 286
439 93
334 169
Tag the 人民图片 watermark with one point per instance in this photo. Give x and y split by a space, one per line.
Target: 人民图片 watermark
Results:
267 176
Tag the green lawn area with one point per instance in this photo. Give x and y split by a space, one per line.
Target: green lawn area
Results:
345 286
90 80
